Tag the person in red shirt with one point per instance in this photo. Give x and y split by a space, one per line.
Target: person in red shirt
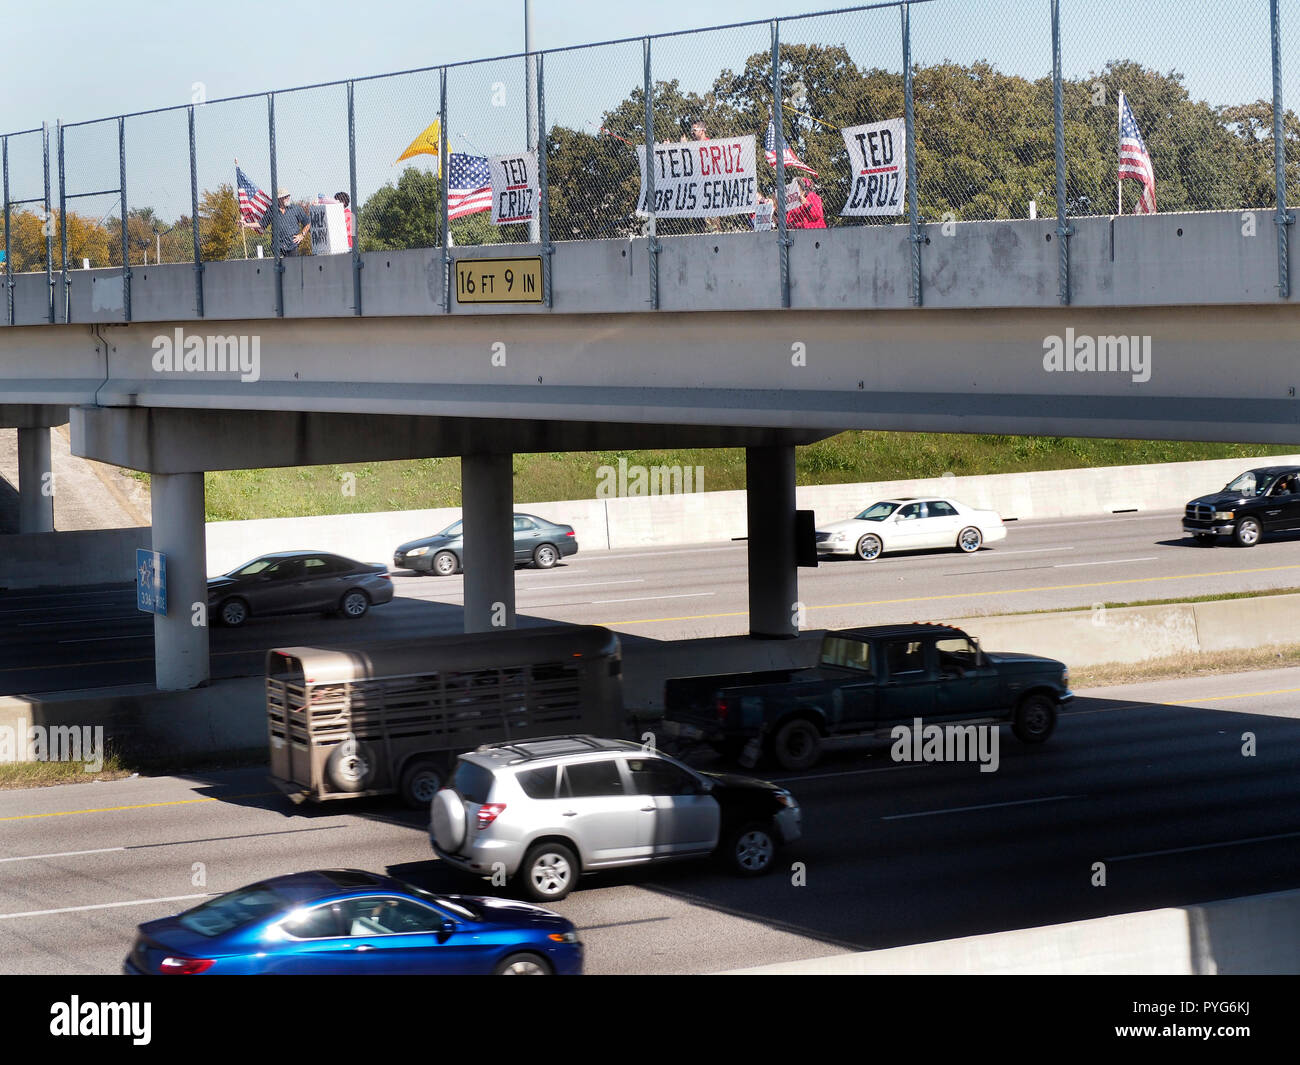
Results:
808 215
343 198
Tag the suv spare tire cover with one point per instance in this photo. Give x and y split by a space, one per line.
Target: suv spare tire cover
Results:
448 819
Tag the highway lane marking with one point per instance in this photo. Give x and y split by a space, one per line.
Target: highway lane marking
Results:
993 552
1221 698
75 621
139 806
984 806
1123 704
186 842
643 598
61 854
1203 847
106 906
1103 562
435 596
974 595
104 639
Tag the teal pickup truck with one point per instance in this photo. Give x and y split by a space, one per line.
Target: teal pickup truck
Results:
866 681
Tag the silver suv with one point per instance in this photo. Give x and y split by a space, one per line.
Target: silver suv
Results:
548 810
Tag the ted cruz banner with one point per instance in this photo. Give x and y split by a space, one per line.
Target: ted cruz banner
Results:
701 179
514 187
877 153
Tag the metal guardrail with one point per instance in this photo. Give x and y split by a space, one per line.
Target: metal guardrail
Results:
977 142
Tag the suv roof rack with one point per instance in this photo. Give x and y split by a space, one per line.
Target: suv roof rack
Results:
527 750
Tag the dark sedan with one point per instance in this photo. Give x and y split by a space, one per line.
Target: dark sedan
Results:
298 582
347 922
1265 500
538 541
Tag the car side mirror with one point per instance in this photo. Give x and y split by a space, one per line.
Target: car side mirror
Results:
447 930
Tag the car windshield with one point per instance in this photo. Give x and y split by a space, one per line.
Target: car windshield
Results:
451 530
233 910
454 906
255 566
877 512
1247 484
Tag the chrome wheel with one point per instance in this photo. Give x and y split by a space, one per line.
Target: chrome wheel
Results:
970 540
869 547
355 604
545 556
444 563
1248 533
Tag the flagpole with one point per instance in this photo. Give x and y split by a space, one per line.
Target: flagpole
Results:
1119 183
243 233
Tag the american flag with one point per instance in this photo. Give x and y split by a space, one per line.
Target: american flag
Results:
791 160
253 202
469 185
1134 161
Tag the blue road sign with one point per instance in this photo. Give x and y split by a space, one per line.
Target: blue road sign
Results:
151 581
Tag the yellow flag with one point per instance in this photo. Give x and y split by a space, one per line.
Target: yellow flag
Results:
425 144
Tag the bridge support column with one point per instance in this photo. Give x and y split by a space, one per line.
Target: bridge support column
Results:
487 501
35 499
180 645
773 573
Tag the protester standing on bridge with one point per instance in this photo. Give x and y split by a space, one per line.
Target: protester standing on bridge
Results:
294 224
809 214
345 200
700 132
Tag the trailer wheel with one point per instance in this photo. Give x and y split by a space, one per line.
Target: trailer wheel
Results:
351 766
421 779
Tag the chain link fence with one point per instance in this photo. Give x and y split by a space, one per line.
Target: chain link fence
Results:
1197 79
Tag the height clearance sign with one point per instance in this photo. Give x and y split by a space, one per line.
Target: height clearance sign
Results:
877 153
701 179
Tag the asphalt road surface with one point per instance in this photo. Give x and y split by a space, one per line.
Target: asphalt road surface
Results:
1150 780
69 639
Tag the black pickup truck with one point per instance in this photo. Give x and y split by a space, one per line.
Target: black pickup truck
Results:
867 681
1260 501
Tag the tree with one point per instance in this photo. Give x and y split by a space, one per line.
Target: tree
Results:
87 239
219 224
405 215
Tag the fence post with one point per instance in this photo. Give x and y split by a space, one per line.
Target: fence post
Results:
544 207
653 245
276 223
355 207
194 216
126 258
1063 228
9 274
47 223
63 230
1284 218
444 169
914 237
778 126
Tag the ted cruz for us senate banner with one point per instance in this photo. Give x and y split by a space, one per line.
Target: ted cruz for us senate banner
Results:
701 179
877 153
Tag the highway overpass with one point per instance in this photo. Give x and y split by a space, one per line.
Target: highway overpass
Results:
1175 330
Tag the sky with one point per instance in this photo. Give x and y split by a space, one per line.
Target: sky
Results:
130 55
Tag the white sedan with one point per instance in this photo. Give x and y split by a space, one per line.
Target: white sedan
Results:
909 525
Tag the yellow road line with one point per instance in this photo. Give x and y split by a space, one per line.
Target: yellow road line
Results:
139 806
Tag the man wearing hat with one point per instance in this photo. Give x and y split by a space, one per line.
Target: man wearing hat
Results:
294 224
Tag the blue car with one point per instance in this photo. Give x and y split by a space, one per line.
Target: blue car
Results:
350 922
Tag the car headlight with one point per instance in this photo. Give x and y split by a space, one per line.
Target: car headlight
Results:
786 799
839 538
1065 678
563 937
417 551
1224 515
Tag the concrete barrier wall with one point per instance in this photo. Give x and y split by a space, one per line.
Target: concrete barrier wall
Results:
703 517
1256 934
90 556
